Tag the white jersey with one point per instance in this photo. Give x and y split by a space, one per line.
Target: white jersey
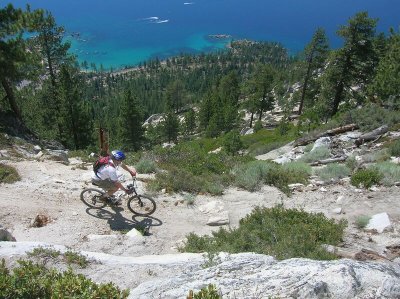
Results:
106 172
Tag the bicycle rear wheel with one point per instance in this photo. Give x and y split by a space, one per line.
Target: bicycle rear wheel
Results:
91 198
142 205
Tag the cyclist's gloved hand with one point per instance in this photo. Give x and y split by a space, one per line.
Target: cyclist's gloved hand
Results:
133 173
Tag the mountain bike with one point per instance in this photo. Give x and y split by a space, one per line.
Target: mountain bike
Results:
138 204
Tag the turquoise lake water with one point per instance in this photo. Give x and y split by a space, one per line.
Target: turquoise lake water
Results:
124 33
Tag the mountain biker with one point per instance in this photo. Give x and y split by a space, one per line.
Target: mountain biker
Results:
106 177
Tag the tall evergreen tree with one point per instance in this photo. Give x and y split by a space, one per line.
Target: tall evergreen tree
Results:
190 121
171 127
13 50
316 53
74 114
131 132
386 84
353 64
262 83
53 48
175 96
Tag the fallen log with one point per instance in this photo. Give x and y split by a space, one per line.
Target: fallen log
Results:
375 134
327 161
307 139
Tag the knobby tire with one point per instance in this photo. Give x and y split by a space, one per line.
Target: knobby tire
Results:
141 205
90 197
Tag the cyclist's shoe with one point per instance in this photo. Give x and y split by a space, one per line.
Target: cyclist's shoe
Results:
115 200
103 198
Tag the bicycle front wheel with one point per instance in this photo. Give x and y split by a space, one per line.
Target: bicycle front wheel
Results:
91 198
141 205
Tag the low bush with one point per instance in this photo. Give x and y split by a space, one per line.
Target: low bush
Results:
8 174
232 142
261 148
177 179
70 257
366 178
317 154
390 172
377 156
299 171
263 141
394 148
257 126
283 233
372 116
352 163
209 292
333 172
30 280
362 221
251 176
146 166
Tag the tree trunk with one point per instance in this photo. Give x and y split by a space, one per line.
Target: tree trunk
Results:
11 98
251 119
303 92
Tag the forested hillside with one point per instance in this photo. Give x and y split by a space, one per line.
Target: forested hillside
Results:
45 87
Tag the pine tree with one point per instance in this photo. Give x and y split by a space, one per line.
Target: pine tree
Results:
131 132
171 127
316 53
261 85
190 121
386 84
353 64
74 112
13 50
175 96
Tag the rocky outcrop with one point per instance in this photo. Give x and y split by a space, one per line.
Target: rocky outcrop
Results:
243 275
248 275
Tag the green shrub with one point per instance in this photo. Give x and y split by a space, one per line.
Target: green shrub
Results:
390 172
352 163
69 257
394 148
308 147
261 148
257 126
232 142
146 166
209 292
46 253
263 141
30 280
377 156
333 172
8 174
366 178
177 179
72 257
320 153
190 199
283 233
299 170
251 176
362 221
372 116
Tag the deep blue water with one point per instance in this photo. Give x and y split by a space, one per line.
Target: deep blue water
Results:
125 32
